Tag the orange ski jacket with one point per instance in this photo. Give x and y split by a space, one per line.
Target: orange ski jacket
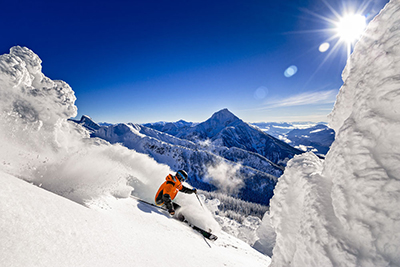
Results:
170 187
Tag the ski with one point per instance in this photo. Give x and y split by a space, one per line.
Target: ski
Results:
204 233
149 203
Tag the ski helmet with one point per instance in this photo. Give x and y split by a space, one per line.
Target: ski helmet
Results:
181 175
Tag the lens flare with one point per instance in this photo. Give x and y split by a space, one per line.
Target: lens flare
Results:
261 93
289 72
324 47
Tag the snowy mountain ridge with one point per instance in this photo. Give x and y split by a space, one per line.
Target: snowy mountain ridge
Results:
196 146
222 140
224 129
317 139
307 136
300 135
251 176
169 127
211 127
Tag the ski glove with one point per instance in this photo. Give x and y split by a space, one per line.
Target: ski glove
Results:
187 190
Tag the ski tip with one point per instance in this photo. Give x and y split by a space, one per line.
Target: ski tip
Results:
213 237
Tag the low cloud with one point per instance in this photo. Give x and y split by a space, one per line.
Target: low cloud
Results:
307 98
225 177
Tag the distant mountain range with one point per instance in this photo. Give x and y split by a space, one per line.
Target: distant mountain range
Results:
224 129
306 136
257 157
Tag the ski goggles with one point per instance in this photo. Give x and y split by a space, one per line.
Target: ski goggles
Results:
181 177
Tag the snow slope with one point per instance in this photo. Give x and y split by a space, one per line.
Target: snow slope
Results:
64 199
40 228
344 211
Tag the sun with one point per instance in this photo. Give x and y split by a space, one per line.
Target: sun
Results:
350 27
345 27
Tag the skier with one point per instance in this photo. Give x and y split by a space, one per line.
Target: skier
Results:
168 190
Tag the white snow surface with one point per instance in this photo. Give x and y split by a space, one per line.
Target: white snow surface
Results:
344 211
40 228
64 199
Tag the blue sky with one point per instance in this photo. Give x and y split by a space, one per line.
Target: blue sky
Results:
155 60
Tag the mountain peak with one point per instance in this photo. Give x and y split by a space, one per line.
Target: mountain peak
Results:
224 116
224 111
87 122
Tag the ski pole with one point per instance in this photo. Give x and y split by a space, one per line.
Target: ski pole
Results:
199 200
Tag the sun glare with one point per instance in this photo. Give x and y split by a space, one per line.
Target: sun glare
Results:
344 28
350 27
